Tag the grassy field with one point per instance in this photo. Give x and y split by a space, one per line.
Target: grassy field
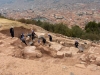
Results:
5 24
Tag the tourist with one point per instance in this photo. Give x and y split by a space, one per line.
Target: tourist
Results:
23 38
33 34
12 32
50 37
43 40
76 44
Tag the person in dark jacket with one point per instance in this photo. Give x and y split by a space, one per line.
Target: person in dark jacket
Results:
43 40
50 37
76 44
23 39
33 34
12 32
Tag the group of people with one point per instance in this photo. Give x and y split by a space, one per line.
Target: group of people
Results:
32 35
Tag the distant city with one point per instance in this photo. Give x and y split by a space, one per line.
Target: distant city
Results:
77 12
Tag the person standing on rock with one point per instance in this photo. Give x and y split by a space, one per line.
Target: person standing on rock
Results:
23 39
12 32
76 44
50 37
33 34
43 40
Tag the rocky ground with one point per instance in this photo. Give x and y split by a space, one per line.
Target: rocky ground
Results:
59 57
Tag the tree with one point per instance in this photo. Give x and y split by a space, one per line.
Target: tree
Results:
91 27
76 31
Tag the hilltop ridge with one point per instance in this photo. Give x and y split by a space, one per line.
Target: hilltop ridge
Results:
58 58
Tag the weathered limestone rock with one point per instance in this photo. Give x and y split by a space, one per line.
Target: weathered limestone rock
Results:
60 54
91 50
56 46
74 50
30 52
62 43
67 54
80 66
97 63
53 53
44 49
82 62
40 34
98 59
82 57
29 49
88 57
47 50
39 54
92 57
65 49
92 67
98 67
93 44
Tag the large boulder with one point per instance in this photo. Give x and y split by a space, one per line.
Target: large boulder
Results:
40 34
73 50
56 46
43 49
68 54
88 58
91 49
92 57
53 53
62 43
30 52
48 51
39 54
83 57
98 59
60 54
65 49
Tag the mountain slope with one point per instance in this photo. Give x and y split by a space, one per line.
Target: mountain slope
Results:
13 63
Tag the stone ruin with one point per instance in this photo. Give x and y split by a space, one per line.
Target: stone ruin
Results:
58 48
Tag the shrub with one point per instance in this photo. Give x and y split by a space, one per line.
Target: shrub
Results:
92 29
27 21
76 31
90 36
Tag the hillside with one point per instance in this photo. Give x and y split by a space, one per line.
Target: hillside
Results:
77 12
59 57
